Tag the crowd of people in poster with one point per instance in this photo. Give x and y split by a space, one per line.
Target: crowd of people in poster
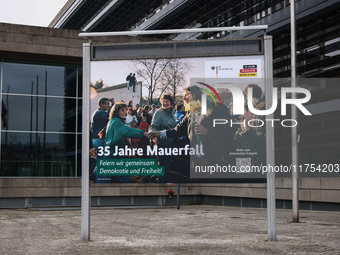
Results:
118 125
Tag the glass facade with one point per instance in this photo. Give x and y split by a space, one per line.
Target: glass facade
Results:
40 119
319 134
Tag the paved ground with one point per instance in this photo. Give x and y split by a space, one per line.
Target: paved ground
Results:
192 230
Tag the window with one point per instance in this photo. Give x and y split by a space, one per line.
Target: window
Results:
40 119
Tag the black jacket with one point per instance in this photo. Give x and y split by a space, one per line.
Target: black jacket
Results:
219 141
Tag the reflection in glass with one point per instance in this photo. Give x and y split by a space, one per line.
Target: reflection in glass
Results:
80 81
80 117
40 113
31 154
22 78
40 108
79 156
318 132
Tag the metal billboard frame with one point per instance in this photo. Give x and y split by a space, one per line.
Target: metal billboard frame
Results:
268 61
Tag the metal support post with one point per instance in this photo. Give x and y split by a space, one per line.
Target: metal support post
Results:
85 184
178 197
173 31
295 175
270 149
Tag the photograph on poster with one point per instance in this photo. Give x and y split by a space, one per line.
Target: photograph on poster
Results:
172 120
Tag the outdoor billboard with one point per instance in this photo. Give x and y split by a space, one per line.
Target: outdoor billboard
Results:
133 142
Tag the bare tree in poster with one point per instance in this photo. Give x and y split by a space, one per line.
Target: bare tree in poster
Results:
150 71
174 76
98 84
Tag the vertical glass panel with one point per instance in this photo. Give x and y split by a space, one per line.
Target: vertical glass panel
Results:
80 116
79 156
80 81
31 154
39 79
28 113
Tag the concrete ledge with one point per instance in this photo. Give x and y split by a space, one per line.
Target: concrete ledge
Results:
67 202
316 189
50 42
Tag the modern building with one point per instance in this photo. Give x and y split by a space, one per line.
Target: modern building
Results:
41 84
317 25
317 42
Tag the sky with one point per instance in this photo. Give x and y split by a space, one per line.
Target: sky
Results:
30 12
114 72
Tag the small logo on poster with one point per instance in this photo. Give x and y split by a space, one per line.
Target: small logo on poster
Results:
221 68
249 66
253 70
247 74
248 71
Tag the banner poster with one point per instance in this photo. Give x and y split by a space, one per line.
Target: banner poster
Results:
182 120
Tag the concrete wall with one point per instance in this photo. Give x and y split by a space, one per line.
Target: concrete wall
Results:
119 92
310 189
49 44
44 192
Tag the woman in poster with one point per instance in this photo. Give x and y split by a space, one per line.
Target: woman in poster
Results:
117 131
130 117
164 119
217 141
145 113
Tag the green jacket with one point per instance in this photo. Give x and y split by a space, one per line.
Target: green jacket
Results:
117 131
